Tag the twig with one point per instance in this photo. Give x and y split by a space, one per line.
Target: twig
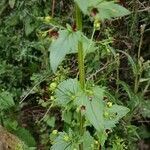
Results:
46 112
145 9
53 8
99 70
33 89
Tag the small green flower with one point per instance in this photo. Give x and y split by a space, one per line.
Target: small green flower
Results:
106 114
109 104
73 97
78 109
89 92
66 138
52 98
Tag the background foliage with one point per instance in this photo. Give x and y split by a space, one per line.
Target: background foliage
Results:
25 73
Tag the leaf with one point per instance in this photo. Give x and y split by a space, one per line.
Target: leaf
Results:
25 136
6 100
88 141
12 3
88 45
108 10
67 117
127 88
94 107
134 98
145 109
66 43
28 26
102 136
60 143
131 61
67 91
97 112
105 9
50 121
85 4
116 113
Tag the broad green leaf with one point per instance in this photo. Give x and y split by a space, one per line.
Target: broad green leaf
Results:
62 142
88 141
94 107
115 113
88 45
66 43
105 9
108 10
6 100
67 91
102 136
86 4
97 112
67 116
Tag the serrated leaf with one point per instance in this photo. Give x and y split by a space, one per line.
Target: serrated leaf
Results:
6 100
66 43
105 9
96 108
66 91
116 112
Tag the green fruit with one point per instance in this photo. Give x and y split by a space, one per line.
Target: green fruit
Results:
66 138
53 86
55 132
109 104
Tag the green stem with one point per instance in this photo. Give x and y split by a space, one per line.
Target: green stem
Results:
80 49
146 88
136 84
138 77
81 67
117 72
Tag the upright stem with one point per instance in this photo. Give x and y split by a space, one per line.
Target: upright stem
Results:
80 48
137 78
81 67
